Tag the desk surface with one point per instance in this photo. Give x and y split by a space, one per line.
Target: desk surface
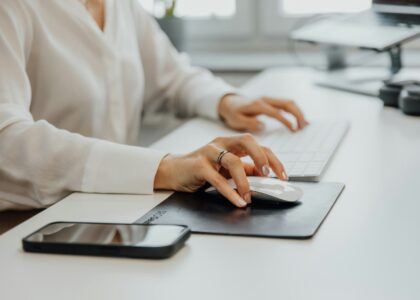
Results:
367 248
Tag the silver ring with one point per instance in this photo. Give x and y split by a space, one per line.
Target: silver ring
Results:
220 157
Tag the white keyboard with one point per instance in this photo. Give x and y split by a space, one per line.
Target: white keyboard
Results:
306 153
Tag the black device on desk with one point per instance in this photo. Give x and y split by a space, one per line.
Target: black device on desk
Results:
402 94
383 28
108 239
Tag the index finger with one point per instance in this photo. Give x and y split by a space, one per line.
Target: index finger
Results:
290 107
220 183
276 164
247 144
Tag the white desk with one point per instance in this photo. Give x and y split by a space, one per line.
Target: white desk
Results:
368 247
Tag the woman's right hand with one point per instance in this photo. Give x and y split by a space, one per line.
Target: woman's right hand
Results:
188 173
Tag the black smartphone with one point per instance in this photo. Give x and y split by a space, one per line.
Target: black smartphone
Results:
108 239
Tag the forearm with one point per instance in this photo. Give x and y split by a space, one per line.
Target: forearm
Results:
39 164
169 75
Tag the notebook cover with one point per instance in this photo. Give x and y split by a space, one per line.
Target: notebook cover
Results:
211 214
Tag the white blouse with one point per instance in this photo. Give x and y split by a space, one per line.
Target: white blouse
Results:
72 97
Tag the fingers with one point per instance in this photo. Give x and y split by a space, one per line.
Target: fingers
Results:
234 165
283 120
251 170
290 107
270 107
246 144
261 107
275 164
241 116
263 157
220 183
245 123
251 124
216 156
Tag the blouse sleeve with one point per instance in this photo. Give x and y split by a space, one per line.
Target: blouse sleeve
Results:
39 163
188 90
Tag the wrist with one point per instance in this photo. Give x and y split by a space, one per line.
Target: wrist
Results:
163 177
224 104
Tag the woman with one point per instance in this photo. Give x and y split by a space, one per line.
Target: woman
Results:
75 77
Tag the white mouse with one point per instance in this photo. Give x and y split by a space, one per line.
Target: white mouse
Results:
267 190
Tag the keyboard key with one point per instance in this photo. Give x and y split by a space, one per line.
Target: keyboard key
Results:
305 153
288 157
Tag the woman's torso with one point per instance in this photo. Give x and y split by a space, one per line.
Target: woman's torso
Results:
84 80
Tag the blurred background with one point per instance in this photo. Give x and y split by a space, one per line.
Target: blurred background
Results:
237 39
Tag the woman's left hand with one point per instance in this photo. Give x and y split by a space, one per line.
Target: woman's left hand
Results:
241 114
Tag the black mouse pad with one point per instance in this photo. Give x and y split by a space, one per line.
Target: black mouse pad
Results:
211 214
